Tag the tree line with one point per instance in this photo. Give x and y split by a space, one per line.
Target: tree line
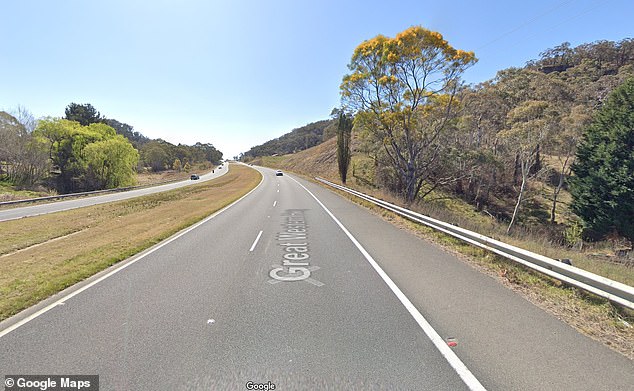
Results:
297 140
501 141
86 151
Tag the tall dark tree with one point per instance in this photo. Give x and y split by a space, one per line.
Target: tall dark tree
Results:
344 134
127 131
156 154
85 114
603 185
209 152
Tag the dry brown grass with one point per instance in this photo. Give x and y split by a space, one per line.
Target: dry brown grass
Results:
321 158
150 178
588 314
8 192
34 266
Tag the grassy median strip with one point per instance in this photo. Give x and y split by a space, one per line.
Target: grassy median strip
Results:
42 255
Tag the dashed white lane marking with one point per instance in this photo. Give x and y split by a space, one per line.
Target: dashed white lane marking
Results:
122 267
255 242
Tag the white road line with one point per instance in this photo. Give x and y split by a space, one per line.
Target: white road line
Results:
465 374
63 300
255 242
106 198
278 190
274 203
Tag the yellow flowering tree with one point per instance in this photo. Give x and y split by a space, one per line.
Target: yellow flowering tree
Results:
403 90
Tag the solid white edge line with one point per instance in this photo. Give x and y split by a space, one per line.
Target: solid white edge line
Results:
117 270
465 374
255 242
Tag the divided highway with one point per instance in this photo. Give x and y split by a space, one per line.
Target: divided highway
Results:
58 206
281 288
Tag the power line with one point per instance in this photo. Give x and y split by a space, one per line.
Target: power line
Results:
556 25
577 15
533 19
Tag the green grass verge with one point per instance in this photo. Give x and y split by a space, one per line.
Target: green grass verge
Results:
42 255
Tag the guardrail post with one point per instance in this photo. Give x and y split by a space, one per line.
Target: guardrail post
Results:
563 270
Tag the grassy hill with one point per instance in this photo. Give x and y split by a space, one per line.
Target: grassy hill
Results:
320 160
589 315
479 181
296 140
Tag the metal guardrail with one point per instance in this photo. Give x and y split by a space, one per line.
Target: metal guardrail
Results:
614 291
62 196
87 193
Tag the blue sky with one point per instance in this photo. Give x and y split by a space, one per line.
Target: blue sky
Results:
239 73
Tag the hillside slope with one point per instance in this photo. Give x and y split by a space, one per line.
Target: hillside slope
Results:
298 139
320 160
587 314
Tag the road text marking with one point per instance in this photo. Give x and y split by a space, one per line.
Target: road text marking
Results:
294 238
465 374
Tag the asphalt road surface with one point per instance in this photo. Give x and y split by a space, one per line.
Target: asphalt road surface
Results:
58 206
281 288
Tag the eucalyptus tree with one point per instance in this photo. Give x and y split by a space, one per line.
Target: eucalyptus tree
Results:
403 90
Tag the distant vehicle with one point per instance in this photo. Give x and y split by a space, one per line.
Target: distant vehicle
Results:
279 173
194 177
